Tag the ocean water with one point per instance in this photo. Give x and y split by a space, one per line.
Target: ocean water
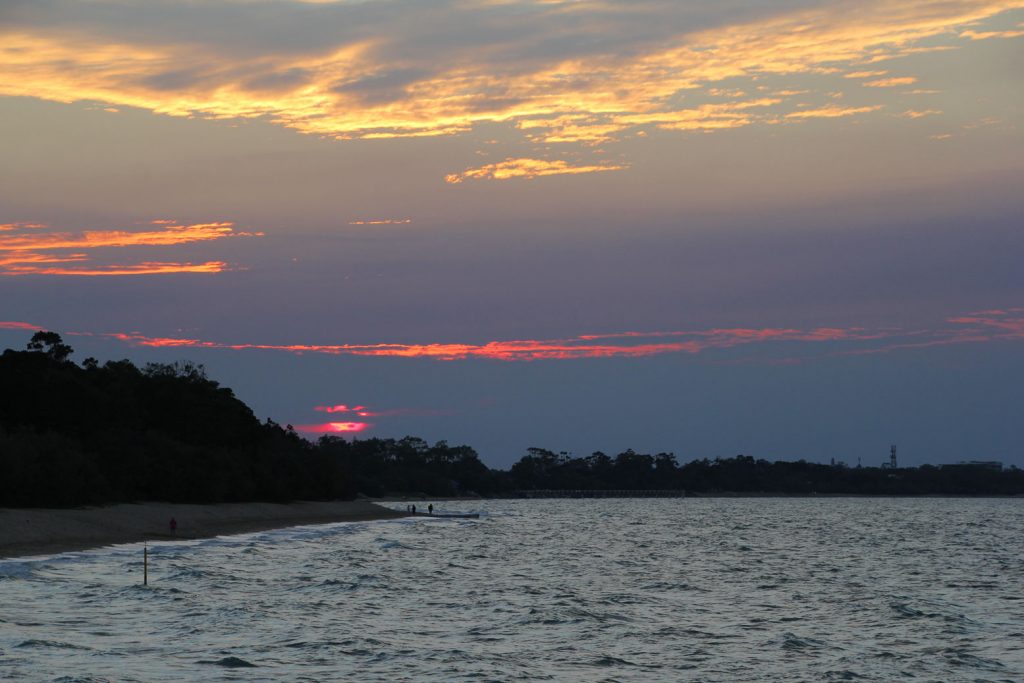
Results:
774 589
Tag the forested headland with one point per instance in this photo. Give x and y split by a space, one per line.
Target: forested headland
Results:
85 434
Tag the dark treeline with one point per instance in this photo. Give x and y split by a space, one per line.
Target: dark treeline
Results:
544 470
91 434
73 435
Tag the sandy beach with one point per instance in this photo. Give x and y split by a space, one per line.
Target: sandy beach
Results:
26 532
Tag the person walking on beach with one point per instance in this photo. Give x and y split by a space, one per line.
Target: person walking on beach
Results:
430 509
174 527
414 509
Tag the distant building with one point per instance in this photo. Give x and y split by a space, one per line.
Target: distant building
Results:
993 465
892 459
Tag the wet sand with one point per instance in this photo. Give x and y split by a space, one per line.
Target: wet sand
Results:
26 532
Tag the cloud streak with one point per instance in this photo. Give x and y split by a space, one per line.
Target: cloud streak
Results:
988 35
8 227
340 408
891 82
987 326
363 411
775 344
528 169
16 325
144 268
830 112
35 249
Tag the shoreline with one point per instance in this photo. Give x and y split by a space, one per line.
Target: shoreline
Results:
28 532
762 494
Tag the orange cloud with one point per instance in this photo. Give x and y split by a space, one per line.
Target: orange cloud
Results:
93 239
865 74
891 82
145 268
30 253
830 112
23 259
917 114
986 35
382 221
705 117
526 168
370 87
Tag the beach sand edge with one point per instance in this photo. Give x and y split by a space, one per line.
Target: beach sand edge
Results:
27 532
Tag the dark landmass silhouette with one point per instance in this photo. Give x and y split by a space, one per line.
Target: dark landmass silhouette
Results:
91 434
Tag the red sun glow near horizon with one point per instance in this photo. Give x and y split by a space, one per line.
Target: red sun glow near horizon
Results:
350 427
334 427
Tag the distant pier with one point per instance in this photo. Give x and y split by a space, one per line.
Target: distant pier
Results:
447 515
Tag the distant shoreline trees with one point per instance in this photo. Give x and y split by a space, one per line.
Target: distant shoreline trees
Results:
544 470
99 434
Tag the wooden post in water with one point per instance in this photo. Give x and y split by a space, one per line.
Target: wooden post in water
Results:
145 565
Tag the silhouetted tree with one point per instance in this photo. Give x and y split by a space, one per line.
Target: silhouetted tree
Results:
51 344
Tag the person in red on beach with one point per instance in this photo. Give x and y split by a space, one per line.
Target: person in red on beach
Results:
174 526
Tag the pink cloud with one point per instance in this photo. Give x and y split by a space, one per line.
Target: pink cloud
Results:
341 408
15 325
1004 322
611 345
996 325
334 427
417 412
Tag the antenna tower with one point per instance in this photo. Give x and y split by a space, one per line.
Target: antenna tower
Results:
892 456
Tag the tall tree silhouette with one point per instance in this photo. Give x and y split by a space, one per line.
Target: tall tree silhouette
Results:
51 344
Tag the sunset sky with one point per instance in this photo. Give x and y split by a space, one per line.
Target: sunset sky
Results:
789 229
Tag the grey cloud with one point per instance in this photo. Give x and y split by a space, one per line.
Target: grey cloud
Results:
279 80
406 31
382 87
178 79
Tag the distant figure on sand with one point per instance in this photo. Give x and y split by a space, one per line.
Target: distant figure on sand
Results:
430 509
174 526
414 509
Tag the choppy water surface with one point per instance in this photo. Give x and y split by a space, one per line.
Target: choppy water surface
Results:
612 590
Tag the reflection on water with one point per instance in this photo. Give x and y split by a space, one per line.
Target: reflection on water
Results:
613 590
